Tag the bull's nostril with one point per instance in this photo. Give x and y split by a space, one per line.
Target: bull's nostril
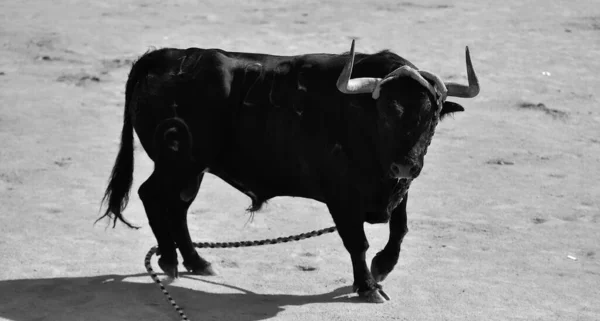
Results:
400 171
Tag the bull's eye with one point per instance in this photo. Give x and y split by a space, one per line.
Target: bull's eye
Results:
396 108
398 112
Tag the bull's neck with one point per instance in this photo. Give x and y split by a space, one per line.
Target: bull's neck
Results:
358 137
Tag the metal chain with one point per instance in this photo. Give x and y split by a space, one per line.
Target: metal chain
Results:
223 245
154 277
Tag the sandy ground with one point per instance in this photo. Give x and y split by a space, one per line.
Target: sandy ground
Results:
509 191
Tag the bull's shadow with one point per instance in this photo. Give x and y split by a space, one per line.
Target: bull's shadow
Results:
111 297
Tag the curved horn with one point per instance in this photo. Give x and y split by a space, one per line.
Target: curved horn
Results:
358 85
438 84
404 71
470 91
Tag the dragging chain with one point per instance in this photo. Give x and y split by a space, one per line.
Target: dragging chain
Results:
222 245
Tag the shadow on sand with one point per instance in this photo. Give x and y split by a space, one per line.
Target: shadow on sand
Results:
112 297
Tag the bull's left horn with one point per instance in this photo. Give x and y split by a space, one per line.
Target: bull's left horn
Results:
470 91
358 85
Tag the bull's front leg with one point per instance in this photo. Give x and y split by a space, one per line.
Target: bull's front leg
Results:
350 229
383 263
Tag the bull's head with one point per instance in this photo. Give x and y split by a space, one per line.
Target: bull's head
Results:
409 105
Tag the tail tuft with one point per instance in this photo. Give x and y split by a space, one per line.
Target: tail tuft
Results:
116 195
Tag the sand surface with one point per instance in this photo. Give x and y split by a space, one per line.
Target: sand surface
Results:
509 190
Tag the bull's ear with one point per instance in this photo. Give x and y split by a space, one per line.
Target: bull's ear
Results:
449 108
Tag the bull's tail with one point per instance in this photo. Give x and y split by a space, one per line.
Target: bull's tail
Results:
117 192
116 195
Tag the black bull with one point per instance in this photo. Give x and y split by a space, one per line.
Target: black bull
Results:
281 126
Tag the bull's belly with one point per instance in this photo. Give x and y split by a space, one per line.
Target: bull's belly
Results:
377 208
261 187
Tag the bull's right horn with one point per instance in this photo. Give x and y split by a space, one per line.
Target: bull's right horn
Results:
470 91
358 85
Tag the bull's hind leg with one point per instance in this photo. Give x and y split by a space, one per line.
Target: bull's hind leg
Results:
178 214
180 175
156 210
383 263
167 199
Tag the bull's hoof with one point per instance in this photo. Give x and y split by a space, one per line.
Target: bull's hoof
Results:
374 296
205 269
169 269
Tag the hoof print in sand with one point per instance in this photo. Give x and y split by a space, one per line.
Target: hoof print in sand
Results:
80 79
63 162
555 113
64 57
228 263
306 268
117 63
47 58
590 23
499 161
554 175
424 6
